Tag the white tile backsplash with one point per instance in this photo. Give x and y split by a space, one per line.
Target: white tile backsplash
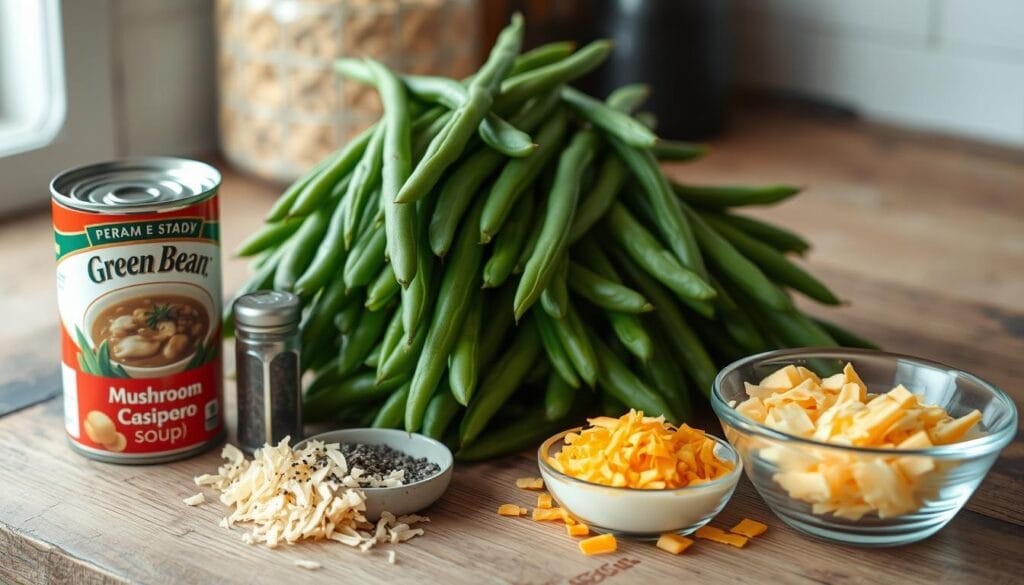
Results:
954 66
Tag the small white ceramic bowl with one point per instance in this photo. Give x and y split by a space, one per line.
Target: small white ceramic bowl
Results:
408 498
638 512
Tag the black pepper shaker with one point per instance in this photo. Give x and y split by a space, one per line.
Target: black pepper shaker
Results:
267 361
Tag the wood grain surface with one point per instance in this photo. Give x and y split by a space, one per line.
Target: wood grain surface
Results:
923 236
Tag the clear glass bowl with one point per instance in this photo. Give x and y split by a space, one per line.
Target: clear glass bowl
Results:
639 513
958 468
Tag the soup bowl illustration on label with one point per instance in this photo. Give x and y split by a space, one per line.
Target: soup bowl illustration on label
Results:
151 330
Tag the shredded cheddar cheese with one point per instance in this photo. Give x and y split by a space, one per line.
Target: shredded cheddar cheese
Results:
544 501
720 536
598 545
638 451
530 483
749 528
577 529
674 543
511 510
839 409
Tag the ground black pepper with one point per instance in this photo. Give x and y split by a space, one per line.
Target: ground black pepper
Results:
380 461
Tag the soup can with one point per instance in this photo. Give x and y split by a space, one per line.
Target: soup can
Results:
139 296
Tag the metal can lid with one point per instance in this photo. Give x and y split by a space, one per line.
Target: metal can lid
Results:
267 309
135 185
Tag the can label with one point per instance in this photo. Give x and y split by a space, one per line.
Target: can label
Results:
139 300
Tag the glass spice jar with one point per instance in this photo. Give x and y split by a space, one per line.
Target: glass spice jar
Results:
269 375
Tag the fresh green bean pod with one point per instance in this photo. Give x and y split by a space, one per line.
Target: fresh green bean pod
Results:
678 151
373 358
262 279
366 258
557 355
392 337
417 297
795 329
630 331
617 380
347 317
463 361
561 206
365 177
719 197
390 415
525 431
399 365
492 338
519 174
558 398
647 252
268 236
522 86
314 193
357 389
737 322
737 268
555 297
611 176
279 210
441 410
501 382
774 264
779 238
457 285
541 56
508 244
319 319
574 340
382 290
505 138
628 98
361 341
300 249
330 253
605 293
669 380
612 121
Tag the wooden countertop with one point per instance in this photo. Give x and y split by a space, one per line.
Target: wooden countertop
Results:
923 236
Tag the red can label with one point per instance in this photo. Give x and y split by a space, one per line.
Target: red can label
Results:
139 300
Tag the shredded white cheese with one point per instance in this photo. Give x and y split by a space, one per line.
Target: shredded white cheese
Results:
391 556
309 565
195 500
289 495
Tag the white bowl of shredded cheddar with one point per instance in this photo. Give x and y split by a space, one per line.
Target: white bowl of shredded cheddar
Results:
861 446
638 475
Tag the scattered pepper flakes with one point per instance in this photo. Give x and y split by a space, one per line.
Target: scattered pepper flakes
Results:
544 501
530 483
749 528
720 536
599 545
511 510
674 543
577 529
641 452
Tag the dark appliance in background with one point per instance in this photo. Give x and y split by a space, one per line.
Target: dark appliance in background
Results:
677 46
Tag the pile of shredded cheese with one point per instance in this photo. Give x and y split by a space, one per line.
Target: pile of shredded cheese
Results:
288 495
638 451
839 409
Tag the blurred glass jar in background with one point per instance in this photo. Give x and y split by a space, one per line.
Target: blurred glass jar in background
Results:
282 106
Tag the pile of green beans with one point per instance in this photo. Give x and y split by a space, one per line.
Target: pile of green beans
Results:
502 255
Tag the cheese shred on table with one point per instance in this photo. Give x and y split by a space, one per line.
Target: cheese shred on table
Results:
288 495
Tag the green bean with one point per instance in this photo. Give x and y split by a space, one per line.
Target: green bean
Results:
330 254
382 289
574 340
268 236
720 197
347 317
618 381
671 222
497 308
457 285
505 137
373 358
779 238
357 389
561 205
612 121
279 210
611 176
399 218
417 296
523 432
678 151
501 382
452 142
319 318
695 358
530 243
317 190
605 293
519 174
647 252
737 322
558 397
422 140
390 415
519 87
844 337
262 279
365 259
795 329
441 409
628 98
403 358
555 297
556 354
649 120
773 263
392 337
631 332
364 177
361 341
541 56
301 248
508 244
669 380
463 361
736 268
